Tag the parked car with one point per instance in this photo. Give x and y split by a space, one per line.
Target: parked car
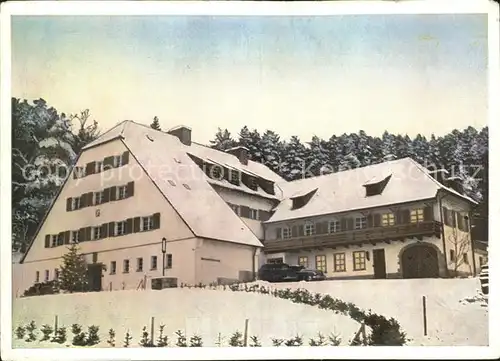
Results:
282 272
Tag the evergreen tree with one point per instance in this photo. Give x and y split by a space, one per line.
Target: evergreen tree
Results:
388 146
318 160
251 141
271 147
86 131
350 161
73 274
293 166
156 124
223 140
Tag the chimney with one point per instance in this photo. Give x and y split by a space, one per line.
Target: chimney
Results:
239 152
183 133
440 175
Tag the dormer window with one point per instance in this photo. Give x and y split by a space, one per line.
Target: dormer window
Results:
376 186
234 177
301 201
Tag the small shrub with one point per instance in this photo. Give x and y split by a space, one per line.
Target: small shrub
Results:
47 332
162 340
79 337
31 329
44 288
128 338
181 339
334 340
111 339
255 342
236 340
277 341
320 341
295 341
195 341
93 336
59 335
145 341
20 332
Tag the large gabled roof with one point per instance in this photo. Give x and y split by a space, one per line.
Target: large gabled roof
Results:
164 158
344 191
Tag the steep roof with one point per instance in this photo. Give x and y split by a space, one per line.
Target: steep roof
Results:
165 158
345 191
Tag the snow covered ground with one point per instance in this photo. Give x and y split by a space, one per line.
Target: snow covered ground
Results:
456 314
451 319
194 311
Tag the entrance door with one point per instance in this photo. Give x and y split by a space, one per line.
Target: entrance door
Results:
95 276
379 263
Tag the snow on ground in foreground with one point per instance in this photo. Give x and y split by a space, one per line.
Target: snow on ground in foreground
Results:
194 311
451 319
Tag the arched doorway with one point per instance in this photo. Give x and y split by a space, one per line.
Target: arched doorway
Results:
420 261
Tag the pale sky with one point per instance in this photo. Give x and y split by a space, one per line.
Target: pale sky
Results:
294 75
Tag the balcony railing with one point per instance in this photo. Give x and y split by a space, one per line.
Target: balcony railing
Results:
376 234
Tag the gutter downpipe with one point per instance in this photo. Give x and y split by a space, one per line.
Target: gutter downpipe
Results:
253 263
469 224
447 273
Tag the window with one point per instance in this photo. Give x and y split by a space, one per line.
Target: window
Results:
186 186
360 223
56 274
216 172
388 219
452 256
169 261
359 260
79 172
120 228
98 167
122 192
126 266
339 262
333 226
466 258
147 223
303 261
118 161
97 232
37 276
321 263
309 229
286 233
76 203
112 268
75 236
139 264
417 215
99 197
234 177
254 213
54 241
235 208
154 263
47 274
172 183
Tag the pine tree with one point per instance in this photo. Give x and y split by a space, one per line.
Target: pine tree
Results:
223 140
294 160
271 147
318 160
156 124
73 274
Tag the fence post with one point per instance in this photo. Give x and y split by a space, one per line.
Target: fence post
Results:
152 331
424 309
55 324
363 332
245 337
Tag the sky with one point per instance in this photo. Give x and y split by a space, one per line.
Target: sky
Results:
304 76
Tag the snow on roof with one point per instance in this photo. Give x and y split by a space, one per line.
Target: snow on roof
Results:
378 178
344 191
178 127
204 211
235 148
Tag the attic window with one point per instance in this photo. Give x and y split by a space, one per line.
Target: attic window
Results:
186 186
301 201
149 138
375 187
172 183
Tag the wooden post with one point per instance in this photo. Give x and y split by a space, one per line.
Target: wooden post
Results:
424 308
55 324
363 332
152 331
245 337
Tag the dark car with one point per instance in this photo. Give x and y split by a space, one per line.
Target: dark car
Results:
306 274
277 272
282 272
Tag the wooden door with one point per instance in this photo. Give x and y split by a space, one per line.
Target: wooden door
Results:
379 263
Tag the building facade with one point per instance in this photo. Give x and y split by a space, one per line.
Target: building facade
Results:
143 204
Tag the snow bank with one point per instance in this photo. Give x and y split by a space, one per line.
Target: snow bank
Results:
452 319
194 311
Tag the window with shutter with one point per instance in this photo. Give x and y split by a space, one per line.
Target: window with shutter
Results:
130 226
83 201
111 229
105 195
54 240
388 219
90 199
417 215
125 158
104 230
278 233
156 220
47 241
169 260
67 237
120 228
69 204
137 224
130 189
360 222
112 193
333 226
286 233
309 229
